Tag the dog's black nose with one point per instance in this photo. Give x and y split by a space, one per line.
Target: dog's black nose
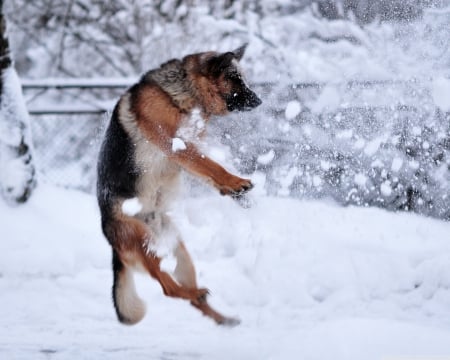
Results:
256 101
253 100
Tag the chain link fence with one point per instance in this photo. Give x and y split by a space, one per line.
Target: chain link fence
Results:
68 119
66 148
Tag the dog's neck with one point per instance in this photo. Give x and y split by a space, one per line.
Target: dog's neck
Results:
172 78
187 88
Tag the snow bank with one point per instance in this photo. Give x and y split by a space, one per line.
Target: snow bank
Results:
308 279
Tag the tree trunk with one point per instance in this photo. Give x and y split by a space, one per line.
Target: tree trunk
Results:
17 172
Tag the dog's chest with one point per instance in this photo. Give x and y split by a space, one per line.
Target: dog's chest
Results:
158 176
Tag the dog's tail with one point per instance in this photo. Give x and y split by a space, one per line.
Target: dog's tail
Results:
130 308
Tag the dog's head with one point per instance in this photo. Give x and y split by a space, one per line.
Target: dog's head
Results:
225 82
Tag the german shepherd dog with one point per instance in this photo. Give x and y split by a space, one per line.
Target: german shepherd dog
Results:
153 135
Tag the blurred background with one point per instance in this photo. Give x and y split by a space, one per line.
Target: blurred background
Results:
356 93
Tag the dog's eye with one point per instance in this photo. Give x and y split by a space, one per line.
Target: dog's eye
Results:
233 76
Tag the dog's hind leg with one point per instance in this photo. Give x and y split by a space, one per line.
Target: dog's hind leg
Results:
130 238
151 263
130 309
184 271
185 274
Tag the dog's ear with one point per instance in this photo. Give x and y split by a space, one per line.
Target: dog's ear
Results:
239 52
217 64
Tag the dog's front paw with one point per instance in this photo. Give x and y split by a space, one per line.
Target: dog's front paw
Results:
236 187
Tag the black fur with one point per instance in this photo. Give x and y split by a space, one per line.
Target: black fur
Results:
117 269
116 171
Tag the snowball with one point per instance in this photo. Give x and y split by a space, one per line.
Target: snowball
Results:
373 146
325 165
317 181
131 206
377 163
266 158
396 164
413 164
440 90
360 179
293 108
386 189
178 144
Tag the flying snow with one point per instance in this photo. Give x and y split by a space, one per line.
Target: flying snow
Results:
293 108
178 144
266 158
441 93
360 179
131 206
386 189
397 164
329 100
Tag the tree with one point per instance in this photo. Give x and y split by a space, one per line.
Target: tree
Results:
17 171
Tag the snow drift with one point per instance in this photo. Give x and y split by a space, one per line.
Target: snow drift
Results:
308 279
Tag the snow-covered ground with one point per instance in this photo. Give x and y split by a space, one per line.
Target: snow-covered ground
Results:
309 280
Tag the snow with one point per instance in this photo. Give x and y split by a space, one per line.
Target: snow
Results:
367 285
328 100
317 181
397 164
373 146
440 90
265 159
192 126
361 180
95 82
131 206
178 144
309 280
13 111
17 170
386 189
293 108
